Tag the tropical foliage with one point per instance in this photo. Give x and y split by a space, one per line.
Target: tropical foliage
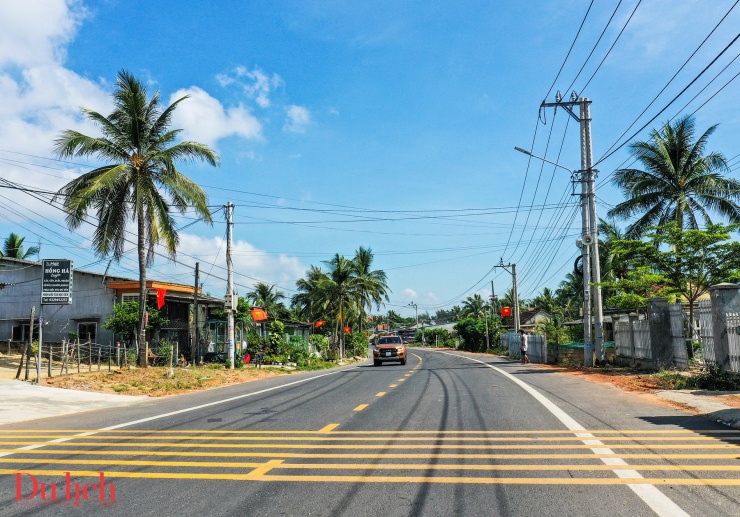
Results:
678 182
13 248
342 294
140 182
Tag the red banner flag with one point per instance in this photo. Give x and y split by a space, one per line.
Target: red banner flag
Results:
258 314
506 311
160 297
319 323
347 330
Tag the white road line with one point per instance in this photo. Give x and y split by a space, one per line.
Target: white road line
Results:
660 503
171 413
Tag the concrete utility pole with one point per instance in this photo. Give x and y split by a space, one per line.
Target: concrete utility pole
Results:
416 307
195 346
589 225
230 305
514 292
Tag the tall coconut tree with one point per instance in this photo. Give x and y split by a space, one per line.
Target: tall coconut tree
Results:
678 182
340 292
13 248
372 286
474 307
307 301
139 183
266 296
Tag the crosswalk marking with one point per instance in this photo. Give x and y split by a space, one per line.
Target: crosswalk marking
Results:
540 457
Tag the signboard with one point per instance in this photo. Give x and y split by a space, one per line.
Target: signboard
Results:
56 282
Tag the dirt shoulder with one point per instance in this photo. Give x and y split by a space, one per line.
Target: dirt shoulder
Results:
632 380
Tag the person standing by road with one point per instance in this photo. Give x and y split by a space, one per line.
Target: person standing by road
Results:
525 347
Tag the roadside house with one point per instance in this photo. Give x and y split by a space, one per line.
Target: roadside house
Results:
93 298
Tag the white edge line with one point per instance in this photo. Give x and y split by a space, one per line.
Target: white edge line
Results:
660 503
171 413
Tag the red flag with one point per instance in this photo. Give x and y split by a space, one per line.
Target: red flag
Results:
258 314
506 311
319 323
160 297
347 330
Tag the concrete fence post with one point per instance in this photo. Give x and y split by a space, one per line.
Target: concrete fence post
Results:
632 319
725 298
661 339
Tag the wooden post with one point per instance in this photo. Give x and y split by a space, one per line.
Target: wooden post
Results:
50 359
98 358
89 356
110 353
77 345
30 341
171 372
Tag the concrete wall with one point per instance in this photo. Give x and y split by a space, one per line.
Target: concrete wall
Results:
91 302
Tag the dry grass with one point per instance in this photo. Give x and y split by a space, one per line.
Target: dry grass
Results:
155 381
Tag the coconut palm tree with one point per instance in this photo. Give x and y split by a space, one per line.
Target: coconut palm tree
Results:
546 301
307 301
679 182
140 181
13 248
266 296
340 289
473 307
373 284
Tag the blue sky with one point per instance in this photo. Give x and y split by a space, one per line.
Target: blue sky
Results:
339 124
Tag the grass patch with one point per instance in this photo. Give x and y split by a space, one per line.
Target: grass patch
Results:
710 379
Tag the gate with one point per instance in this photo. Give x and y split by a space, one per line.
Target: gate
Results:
706 332
733 337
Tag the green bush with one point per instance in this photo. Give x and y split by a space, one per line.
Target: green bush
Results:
710 379
357 345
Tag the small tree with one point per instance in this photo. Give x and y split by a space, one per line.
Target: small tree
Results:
697 259
472 332
125 320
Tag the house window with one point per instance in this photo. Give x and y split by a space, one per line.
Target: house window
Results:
87 331
130 297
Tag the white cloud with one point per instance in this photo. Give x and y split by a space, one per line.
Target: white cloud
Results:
204 119
36 32
298 117
255 83
408 294
248 260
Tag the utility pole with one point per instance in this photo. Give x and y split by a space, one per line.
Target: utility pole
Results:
589 226
195 345
416 307
587 165
514 292
230 305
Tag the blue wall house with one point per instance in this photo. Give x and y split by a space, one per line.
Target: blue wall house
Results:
93 298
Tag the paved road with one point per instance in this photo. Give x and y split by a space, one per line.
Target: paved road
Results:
446 434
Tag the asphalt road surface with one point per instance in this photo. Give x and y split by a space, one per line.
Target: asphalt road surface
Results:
447 434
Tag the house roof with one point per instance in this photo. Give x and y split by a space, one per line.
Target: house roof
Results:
132 286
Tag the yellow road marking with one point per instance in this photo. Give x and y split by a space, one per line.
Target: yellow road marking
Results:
355 455
324 429
371 446
386 466
331 427
257 476
380 394
393 386
407 375
437 432
358 408
401 380
264 469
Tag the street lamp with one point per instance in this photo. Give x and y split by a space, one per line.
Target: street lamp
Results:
589 244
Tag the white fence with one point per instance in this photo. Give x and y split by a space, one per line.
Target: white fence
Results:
706 332
733 335
536 346
680 353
